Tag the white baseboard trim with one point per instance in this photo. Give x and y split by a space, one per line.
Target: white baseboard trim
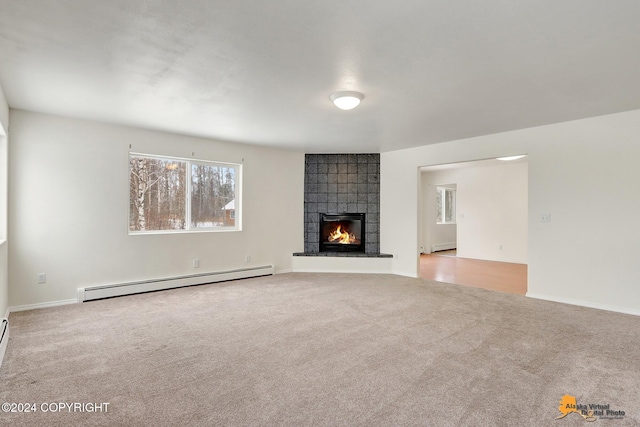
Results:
582 303
285 271
41 305
6 315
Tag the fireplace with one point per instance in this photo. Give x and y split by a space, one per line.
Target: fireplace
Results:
342 232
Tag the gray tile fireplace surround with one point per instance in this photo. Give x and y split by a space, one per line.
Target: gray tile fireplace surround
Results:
341 183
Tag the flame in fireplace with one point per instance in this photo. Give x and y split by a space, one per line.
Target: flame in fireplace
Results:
341 236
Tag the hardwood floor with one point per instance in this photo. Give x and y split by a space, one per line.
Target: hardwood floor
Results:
492 275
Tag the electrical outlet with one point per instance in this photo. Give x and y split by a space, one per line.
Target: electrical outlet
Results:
545 217
42 278
247 258
500 247
196 263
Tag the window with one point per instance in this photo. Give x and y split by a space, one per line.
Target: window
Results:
172 194
3 185
446 205
213 195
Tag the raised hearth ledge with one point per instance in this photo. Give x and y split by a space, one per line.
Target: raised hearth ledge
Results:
343 254
343 263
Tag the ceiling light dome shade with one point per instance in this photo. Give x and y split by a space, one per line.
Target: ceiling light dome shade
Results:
346 99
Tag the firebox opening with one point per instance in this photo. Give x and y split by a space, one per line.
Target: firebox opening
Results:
342 232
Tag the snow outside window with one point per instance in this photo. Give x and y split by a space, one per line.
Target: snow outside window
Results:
172 195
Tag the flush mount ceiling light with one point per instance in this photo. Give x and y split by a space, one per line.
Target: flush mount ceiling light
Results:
346 99
508 158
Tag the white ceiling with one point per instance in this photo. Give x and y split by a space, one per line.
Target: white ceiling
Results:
262 71
472 164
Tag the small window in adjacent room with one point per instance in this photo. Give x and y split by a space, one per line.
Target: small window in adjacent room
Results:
446 205
172 195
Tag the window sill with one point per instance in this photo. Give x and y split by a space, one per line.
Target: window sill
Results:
202 230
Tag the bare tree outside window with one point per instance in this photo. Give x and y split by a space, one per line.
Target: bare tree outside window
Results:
162 196
445 205
212 196
157 194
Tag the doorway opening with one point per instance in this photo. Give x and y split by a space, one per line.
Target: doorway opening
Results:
473 224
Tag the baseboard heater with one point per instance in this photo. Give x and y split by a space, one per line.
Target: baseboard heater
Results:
4 337
120 289
443 247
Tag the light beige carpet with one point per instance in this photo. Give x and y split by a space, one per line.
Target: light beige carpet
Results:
322 349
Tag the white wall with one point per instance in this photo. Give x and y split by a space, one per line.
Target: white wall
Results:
4 266
584 173
68 208
492 212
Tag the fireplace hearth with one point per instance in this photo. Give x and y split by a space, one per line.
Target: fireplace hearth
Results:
338 183
342 232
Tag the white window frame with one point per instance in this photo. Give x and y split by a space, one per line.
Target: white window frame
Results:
237 201
188 227
4 190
